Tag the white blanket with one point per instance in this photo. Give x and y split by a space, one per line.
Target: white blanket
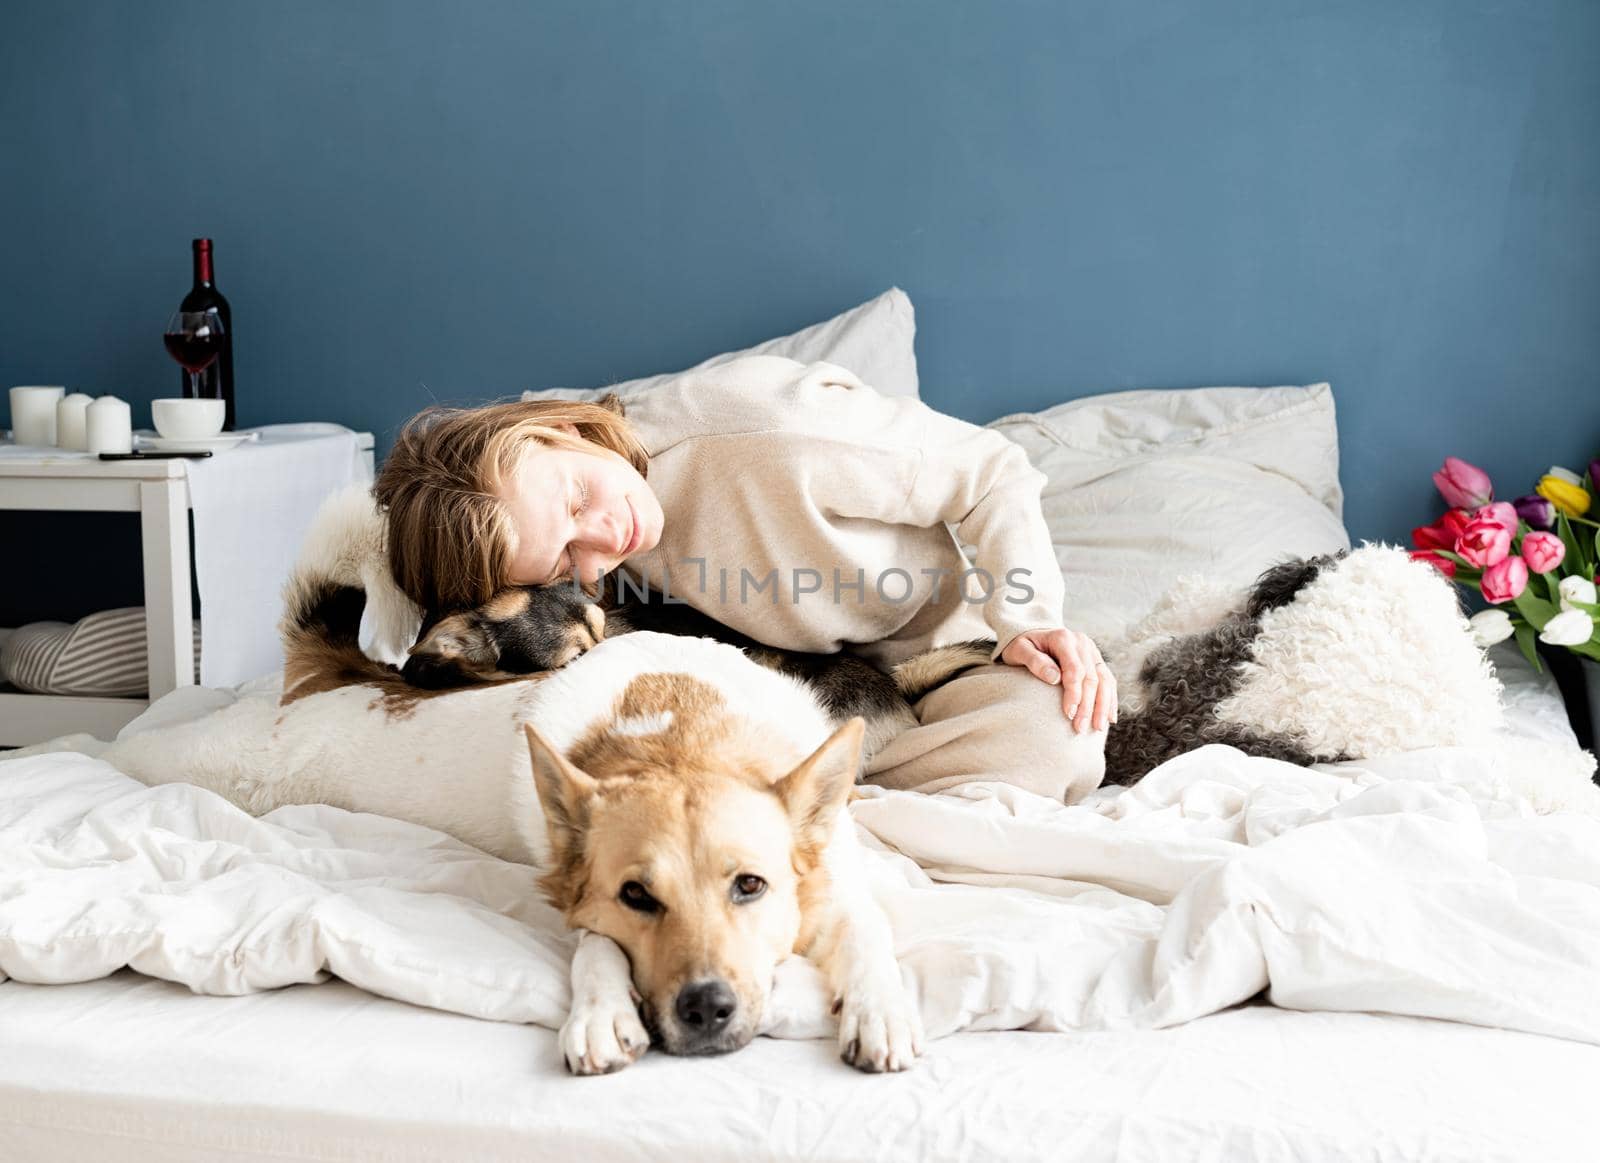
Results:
1417 885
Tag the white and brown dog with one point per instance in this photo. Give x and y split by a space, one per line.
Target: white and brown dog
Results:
685 804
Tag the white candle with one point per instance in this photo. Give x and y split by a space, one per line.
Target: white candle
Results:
33 414
72 422
110 425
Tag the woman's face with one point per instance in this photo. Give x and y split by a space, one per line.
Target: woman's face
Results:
583 510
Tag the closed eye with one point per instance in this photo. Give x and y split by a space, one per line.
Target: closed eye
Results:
564 563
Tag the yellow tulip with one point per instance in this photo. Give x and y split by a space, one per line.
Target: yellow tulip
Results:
1571 499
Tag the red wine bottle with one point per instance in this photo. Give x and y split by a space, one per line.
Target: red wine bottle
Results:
216 382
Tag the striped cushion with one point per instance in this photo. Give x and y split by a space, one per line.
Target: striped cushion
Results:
102 654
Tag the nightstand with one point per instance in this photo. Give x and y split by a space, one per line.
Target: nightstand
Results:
158 490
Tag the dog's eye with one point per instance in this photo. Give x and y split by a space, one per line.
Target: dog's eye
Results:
747 888
638 898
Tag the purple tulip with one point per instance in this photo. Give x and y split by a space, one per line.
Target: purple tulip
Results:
1536 511
1594 474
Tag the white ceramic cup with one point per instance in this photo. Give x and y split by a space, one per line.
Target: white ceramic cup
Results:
187 418
33 414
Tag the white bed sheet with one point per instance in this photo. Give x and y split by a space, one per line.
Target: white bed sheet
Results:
133 1069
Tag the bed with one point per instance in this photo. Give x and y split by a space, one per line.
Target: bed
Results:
1234 960
131 1067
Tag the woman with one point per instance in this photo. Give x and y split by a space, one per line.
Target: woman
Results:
797 506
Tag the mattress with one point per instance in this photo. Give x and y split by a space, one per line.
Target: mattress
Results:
130 1068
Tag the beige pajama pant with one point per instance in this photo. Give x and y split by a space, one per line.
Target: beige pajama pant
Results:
993 723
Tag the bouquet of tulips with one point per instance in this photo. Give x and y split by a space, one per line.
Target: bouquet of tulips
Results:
1533 559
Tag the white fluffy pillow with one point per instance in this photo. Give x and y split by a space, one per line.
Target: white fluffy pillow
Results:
873 340
1146 486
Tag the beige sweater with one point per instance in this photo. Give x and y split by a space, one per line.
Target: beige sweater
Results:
808 511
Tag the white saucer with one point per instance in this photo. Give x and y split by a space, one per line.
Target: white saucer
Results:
218 443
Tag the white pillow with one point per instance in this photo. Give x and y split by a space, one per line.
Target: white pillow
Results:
1146 486
873 340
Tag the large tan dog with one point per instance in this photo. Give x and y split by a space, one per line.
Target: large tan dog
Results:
683 831
686 806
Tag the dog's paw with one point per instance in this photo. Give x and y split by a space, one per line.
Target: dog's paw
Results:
601 1037
879 1028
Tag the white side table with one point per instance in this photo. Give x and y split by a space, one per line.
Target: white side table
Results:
158 490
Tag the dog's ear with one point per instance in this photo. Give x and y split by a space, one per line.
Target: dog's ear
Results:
456 650
814 792
1279 585
462 636
564 793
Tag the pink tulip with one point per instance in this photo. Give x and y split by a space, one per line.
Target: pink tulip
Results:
1484 542
1542 551
1463 485
1443 564
1501 513
1505 580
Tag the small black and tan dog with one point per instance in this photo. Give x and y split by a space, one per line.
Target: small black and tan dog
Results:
527 630
538 628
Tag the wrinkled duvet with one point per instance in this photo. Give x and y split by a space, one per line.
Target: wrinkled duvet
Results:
1419 884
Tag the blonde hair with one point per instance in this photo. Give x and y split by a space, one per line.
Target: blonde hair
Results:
450 536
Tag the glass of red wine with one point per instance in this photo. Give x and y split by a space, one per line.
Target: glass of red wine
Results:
194 339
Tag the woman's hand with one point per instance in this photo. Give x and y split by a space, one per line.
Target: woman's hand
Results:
1088 691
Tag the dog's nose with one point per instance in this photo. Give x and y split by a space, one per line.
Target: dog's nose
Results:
705 1007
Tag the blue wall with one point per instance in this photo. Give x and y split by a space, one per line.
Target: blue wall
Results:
457 200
